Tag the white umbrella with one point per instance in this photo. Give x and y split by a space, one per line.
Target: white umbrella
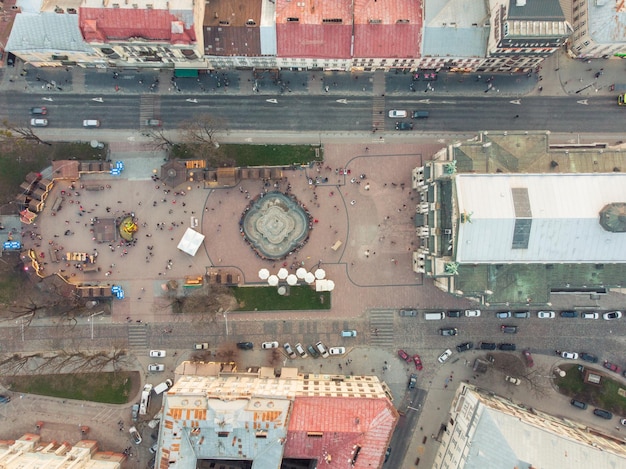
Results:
301 272
282 290
264 274
292 279
272 280
330 285
320 274
309 277
282 273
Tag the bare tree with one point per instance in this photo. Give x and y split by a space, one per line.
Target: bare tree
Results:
199 137
15 133
159 140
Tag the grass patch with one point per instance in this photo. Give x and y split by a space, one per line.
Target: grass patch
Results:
266 299
110 388
270 155
605 395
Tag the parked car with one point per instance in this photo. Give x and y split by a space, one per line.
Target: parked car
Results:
512 380
39 111
266 345
454 314
465 346
444 356
623 421
134 434
569 314
503 314
588 357
611 366
348 333
529 358
507 347
448 331
570 355
314 353
487 346
156 367
419 115
301 351
322 349
412 381
521 314
201 346
605 414
152 123
508 329
134 412
405 356
157 353
401 125
589 315
337 350
472 313
612 315
39 122
418 362
580 404
546 314
4 398
289 350
408 313
245 345
397 113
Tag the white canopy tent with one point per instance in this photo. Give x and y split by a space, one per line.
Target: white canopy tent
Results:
292 279
191 242
283 273
264 274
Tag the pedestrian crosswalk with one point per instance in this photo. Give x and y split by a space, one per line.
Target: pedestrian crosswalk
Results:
137 336
381 327
149 108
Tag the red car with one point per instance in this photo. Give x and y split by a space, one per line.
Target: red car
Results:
611 366
418 362
405 356
529 359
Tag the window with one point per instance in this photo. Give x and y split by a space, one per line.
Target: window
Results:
293 20
332 20
315 434
223 434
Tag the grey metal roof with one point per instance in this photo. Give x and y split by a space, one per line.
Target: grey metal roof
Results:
565 224
606 24
455 28
45 32
535 9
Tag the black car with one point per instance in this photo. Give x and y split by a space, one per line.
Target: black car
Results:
412 381
509 329
588 357
569 314
449 331
245 345
4 399
404 125
465 346
579 404
605 414
454 314
487 346
507 347
39 111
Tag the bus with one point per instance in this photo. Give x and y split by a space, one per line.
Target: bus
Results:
145 399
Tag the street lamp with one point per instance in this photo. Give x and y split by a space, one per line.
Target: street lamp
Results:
91 316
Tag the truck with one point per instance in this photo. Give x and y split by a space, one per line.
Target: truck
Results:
164 386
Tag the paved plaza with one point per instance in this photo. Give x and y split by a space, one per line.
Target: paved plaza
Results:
362 232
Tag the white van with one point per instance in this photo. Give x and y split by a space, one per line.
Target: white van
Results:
164 386
434 316
91 123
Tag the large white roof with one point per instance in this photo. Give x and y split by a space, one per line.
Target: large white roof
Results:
191 242
559 211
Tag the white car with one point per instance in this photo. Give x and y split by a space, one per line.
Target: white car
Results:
135 435
397 113
39 122
156 367
157 353
201 346
546 314
267 345
337 350
612 315
300 350
515 381
589 315
321 348
570 355
444 356
472 313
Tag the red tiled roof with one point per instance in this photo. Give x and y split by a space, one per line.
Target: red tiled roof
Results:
110 24
313 40
383 29
339 426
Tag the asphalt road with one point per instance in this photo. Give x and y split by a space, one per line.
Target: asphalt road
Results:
314 113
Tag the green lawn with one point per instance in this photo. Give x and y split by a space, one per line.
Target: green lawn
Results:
110 388
270 155
604 396
267 299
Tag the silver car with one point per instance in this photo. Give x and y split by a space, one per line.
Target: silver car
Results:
444 356
322 349
301 351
